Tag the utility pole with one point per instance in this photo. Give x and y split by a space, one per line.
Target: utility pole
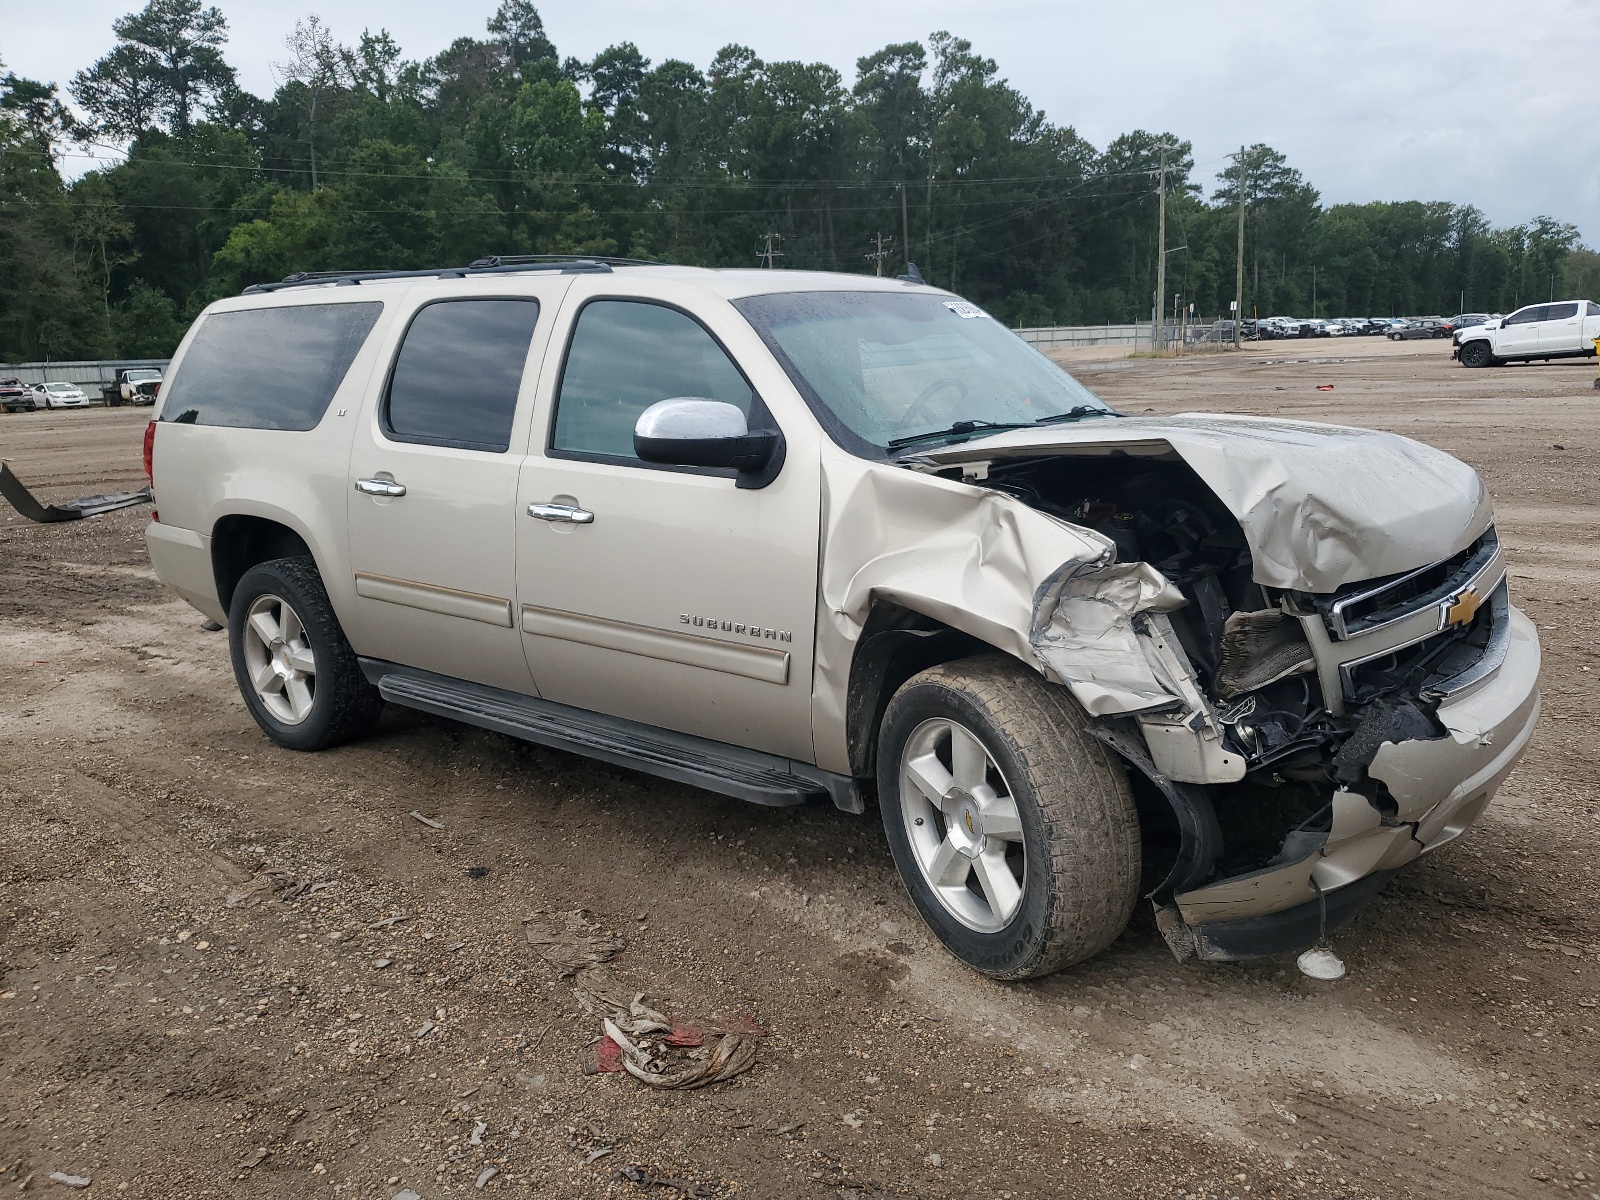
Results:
1157 341
1313 291
905 224
768 254
878 254
1238 283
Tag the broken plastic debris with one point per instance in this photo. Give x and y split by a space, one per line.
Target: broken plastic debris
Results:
577 942
1320 962
406 1194
76 1181
485 1175
428 821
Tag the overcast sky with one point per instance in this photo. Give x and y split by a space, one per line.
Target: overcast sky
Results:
1487 103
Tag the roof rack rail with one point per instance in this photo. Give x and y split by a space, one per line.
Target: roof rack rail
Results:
572 264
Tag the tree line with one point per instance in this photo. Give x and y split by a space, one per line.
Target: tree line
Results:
363 158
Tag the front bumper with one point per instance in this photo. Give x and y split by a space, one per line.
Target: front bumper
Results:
1440 785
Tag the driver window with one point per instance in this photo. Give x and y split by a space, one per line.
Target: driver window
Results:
624 356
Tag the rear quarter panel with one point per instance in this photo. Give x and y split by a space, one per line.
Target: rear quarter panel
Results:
298 479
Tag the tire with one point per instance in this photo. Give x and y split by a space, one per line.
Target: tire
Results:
1477 354
1074 860
281 626
1394 337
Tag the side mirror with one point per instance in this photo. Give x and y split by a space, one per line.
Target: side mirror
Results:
688 431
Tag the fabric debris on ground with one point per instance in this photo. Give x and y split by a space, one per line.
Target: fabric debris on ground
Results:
672 1055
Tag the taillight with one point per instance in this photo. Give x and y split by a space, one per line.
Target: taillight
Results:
149 452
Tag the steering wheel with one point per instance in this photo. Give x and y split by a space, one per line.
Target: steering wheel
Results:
914 414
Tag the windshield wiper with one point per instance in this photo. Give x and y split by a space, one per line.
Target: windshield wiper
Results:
965 427
956 430
1076 411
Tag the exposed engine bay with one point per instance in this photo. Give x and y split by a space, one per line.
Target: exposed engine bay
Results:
1253 661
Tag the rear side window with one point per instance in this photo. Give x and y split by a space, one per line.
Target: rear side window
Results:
456 378
1527 315
1560 312
267 368
626 355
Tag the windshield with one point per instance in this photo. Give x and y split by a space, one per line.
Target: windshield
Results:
883 368
140 376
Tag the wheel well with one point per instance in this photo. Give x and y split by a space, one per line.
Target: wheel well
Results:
895 644
241 542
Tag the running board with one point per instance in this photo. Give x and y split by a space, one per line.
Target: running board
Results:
716 766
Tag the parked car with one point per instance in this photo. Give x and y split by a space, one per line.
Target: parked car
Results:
16 396
133 385
794 535
60 395
1467 320
1426 327
1566 329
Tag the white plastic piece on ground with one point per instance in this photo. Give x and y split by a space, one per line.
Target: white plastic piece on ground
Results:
1320 962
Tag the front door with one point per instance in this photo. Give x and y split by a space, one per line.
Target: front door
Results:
1560 327
1519 333
667 596
433 488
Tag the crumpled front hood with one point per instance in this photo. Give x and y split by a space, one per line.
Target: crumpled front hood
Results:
1320 505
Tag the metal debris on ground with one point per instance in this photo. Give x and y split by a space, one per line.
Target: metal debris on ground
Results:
571 942
388 921
47 514
428 821
638 1175
672 1055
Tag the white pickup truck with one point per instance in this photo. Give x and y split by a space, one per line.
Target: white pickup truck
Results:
1565 329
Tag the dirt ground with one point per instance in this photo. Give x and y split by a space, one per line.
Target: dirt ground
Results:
202 992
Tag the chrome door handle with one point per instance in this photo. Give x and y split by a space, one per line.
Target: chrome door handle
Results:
380 487
569 513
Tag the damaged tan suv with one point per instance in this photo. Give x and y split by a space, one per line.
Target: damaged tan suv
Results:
789 536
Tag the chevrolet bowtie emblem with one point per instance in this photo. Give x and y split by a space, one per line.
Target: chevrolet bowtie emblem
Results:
1463 608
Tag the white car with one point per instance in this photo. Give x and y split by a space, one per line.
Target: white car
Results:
60 395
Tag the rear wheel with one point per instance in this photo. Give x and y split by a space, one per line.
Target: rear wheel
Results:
297 673
1476 354
1012 826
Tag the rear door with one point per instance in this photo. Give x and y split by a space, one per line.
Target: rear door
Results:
1519 333
663 595
1560 328
1591 327
432 486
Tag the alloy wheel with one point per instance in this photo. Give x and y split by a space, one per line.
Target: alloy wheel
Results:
278 655
962 823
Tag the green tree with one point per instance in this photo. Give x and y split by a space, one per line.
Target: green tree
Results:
167 64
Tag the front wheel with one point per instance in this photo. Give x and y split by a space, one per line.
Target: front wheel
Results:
1476 354
1013 827
298 675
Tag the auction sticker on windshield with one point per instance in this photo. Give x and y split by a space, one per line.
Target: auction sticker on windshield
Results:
962 309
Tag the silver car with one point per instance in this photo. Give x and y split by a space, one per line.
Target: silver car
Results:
792 536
